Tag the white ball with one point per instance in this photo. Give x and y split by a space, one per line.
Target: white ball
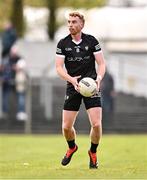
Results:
88 87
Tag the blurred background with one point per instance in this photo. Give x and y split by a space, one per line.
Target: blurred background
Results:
121 28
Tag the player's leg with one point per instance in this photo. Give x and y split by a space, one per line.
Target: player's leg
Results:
71 108
94 110
69 133
95 117
68 119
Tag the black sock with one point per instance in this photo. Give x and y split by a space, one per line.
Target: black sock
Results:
93 147
71 144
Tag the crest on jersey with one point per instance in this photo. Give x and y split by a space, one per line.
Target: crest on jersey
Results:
77 49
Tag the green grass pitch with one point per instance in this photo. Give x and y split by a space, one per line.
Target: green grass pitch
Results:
39 157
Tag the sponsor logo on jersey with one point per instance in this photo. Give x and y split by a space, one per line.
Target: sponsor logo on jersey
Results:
68 49
78 58
87 57
74 59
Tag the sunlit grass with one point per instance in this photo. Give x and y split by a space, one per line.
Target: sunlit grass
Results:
39 156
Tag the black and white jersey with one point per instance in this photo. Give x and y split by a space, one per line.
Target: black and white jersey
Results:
79 57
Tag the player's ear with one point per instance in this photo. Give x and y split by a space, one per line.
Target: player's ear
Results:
82 25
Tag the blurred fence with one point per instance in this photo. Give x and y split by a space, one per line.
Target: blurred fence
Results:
45 97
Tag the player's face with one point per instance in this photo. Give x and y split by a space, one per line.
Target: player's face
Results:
75 25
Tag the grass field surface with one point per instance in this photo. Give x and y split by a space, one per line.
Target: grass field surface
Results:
39 157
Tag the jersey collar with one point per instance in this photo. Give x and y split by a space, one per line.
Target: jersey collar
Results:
77 42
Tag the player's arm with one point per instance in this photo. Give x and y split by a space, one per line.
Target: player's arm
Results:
99 58
60 69
63 73
101 68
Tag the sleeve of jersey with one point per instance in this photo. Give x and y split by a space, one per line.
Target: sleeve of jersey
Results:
60 49
95 46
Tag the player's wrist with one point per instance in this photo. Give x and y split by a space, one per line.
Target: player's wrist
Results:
99 78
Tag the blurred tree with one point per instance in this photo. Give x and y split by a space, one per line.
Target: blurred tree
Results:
17 16
52 5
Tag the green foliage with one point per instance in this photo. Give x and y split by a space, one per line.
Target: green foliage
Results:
38 157
5 11
36 3
67 3
81 3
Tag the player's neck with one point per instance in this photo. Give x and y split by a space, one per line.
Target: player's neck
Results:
77 37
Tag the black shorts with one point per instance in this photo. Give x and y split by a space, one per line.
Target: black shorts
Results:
73 100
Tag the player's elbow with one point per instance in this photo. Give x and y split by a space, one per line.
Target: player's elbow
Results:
58 69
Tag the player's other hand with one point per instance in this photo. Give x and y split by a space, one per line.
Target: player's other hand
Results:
98 81
75 83
98 84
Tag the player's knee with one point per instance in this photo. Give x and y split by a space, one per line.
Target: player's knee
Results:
66 128
96 126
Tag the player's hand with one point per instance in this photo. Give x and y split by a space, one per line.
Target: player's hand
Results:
75 82
98 81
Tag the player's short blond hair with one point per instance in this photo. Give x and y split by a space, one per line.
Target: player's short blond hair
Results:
77 14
